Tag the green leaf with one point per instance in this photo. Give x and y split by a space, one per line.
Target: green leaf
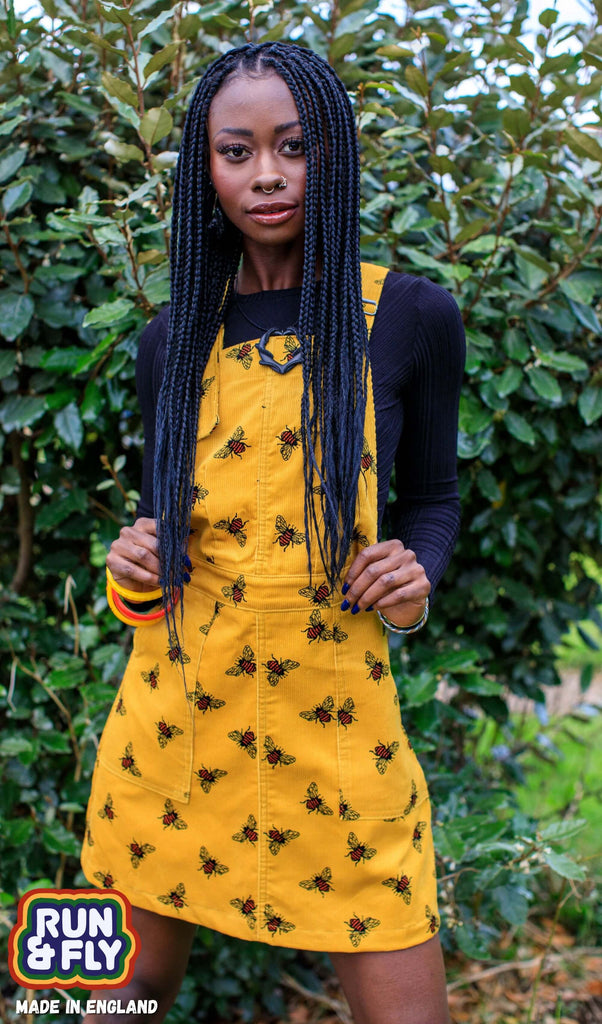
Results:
517 122
566 362
416 80
8 361
589 404
548 17
517 425
586 316
69 426
109 313
8 127
57 839
156 124
394 52
472 229
11 160
509 381
161 58
16 310
18 411
119 88
16 196
559 831
544 384
583 144
415 691
564 866
123 152
11 746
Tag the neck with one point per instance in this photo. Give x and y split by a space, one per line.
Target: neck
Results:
270 269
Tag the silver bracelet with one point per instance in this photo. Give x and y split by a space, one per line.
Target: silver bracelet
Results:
405 629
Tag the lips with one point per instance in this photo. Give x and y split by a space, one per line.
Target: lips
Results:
271 208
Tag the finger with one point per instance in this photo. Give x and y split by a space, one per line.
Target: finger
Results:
132 575
386 567
368 556
394 580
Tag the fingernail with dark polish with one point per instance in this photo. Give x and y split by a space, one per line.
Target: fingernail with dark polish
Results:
344 588
355 609
344 606
187 562
370 608
186 577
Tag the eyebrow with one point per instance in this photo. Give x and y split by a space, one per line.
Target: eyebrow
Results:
249 134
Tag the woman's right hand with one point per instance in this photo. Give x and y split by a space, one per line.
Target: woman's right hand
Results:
134 557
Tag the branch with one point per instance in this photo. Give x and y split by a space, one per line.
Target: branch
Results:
25 511
570 267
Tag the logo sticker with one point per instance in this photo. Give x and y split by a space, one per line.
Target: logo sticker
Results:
68 937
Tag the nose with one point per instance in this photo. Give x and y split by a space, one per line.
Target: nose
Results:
268 182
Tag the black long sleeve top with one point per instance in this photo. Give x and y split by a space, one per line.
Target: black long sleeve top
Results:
417 353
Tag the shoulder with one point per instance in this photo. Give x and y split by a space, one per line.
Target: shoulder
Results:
420 300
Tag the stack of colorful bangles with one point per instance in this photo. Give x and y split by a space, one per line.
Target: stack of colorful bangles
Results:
118 595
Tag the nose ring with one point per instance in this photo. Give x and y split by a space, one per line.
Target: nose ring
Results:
281 184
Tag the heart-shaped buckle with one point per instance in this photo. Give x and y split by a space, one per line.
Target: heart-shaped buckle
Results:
266 357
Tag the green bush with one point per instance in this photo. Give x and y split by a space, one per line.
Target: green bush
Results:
481 170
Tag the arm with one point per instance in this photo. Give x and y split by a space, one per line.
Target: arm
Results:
396 576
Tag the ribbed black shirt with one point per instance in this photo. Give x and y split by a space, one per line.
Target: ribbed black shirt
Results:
417 356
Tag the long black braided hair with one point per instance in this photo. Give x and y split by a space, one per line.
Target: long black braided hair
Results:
332 329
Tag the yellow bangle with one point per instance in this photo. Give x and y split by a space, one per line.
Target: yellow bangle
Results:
133 595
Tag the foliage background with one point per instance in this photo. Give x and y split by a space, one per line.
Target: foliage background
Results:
482 169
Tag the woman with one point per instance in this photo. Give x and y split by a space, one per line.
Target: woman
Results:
254 775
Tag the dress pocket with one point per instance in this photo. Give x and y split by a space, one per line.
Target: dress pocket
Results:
380 776
148 738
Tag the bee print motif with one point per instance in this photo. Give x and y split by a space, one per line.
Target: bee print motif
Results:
401 886
120 706
377 669
367 462
358 851
128 762
197 495
243 354
237 445
289 440
318 596
209 776
277 670
358 537
245 740
207 625
105 879
413 799
248 833
204 701
107 811
291 347
175 652
172 818
235 527
321 713
345 714
314 802
210 865
417 835
338 634
176 898
247 908
358 927
277 839
151 678
205 385
138 851
321 883
275 755
317 629
383 755
274 922
432 919
346 812
287 534
245 664
166 732
236 590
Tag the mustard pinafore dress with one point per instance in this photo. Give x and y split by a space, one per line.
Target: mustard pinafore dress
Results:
256 778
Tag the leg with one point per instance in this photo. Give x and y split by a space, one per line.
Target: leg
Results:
160 968
405 986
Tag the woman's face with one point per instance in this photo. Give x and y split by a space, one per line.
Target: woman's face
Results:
255 142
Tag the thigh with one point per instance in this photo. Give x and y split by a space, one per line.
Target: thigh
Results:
404 986
160 966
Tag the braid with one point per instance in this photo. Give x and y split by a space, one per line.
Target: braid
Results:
332 330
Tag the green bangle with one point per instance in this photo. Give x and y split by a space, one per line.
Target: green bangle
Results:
404 630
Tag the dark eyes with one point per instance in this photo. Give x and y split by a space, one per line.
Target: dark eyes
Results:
237 151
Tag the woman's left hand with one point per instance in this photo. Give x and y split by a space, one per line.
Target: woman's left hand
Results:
387 578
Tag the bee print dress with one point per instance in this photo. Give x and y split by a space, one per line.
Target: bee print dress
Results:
255 777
